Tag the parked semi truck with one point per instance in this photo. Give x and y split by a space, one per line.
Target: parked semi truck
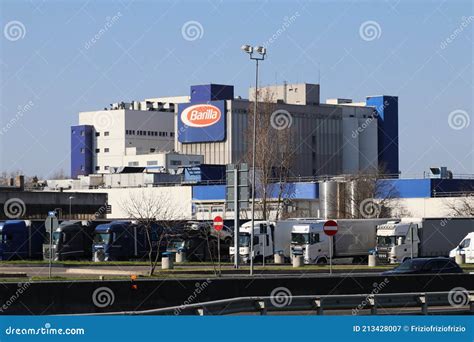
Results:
72 240
402 239
354 239
269 238
466 247
123 240
21 239
198 239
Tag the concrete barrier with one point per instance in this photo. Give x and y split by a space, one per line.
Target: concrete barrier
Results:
180 257
279 258
372 260
297 261
167 263
76 296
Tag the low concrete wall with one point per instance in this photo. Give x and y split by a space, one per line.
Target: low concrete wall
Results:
89 296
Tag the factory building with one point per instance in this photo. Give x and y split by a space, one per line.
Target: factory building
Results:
337 137
127 134
211 126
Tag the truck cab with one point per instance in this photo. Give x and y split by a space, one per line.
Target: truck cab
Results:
71 240
466 247
21 239
112 241
310 241
263 240
394 241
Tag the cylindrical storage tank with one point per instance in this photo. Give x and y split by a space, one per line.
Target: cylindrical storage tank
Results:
332 199
328 199
352 199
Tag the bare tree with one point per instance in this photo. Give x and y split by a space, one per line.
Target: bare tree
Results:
369 195
148 210
462 205
273 151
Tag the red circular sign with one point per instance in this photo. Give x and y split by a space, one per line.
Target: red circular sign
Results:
218 223
330 227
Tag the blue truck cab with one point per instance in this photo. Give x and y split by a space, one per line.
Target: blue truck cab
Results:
122 240
21 239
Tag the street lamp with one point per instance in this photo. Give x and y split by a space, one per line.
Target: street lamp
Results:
261 51
70 206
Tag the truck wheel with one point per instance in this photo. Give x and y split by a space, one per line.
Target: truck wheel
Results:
321 261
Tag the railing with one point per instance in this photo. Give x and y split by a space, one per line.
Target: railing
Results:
375 303
453 194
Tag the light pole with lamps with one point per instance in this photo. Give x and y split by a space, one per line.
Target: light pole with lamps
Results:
70 206
261 52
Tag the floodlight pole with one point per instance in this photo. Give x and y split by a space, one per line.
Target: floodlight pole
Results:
262 52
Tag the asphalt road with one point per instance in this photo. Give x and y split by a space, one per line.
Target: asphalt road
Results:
91 271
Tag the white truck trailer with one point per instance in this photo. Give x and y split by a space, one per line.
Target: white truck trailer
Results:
269 238
403 239
354 239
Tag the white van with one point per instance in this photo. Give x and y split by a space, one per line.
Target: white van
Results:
466 247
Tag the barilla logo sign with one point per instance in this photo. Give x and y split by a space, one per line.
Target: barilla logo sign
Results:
201 115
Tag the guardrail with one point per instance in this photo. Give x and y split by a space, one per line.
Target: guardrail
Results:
319 304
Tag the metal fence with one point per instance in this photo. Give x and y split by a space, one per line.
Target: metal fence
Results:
319 305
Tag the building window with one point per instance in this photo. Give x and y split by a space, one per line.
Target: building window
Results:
97 150
97 134
172 134
106 167
97 168
175 162
134 163
152 150
73 131
83 150
82 168
83 133
106 134
152 162
106 150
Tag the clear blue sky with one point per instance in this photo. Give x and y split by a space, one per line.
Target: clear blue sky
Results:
143 54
